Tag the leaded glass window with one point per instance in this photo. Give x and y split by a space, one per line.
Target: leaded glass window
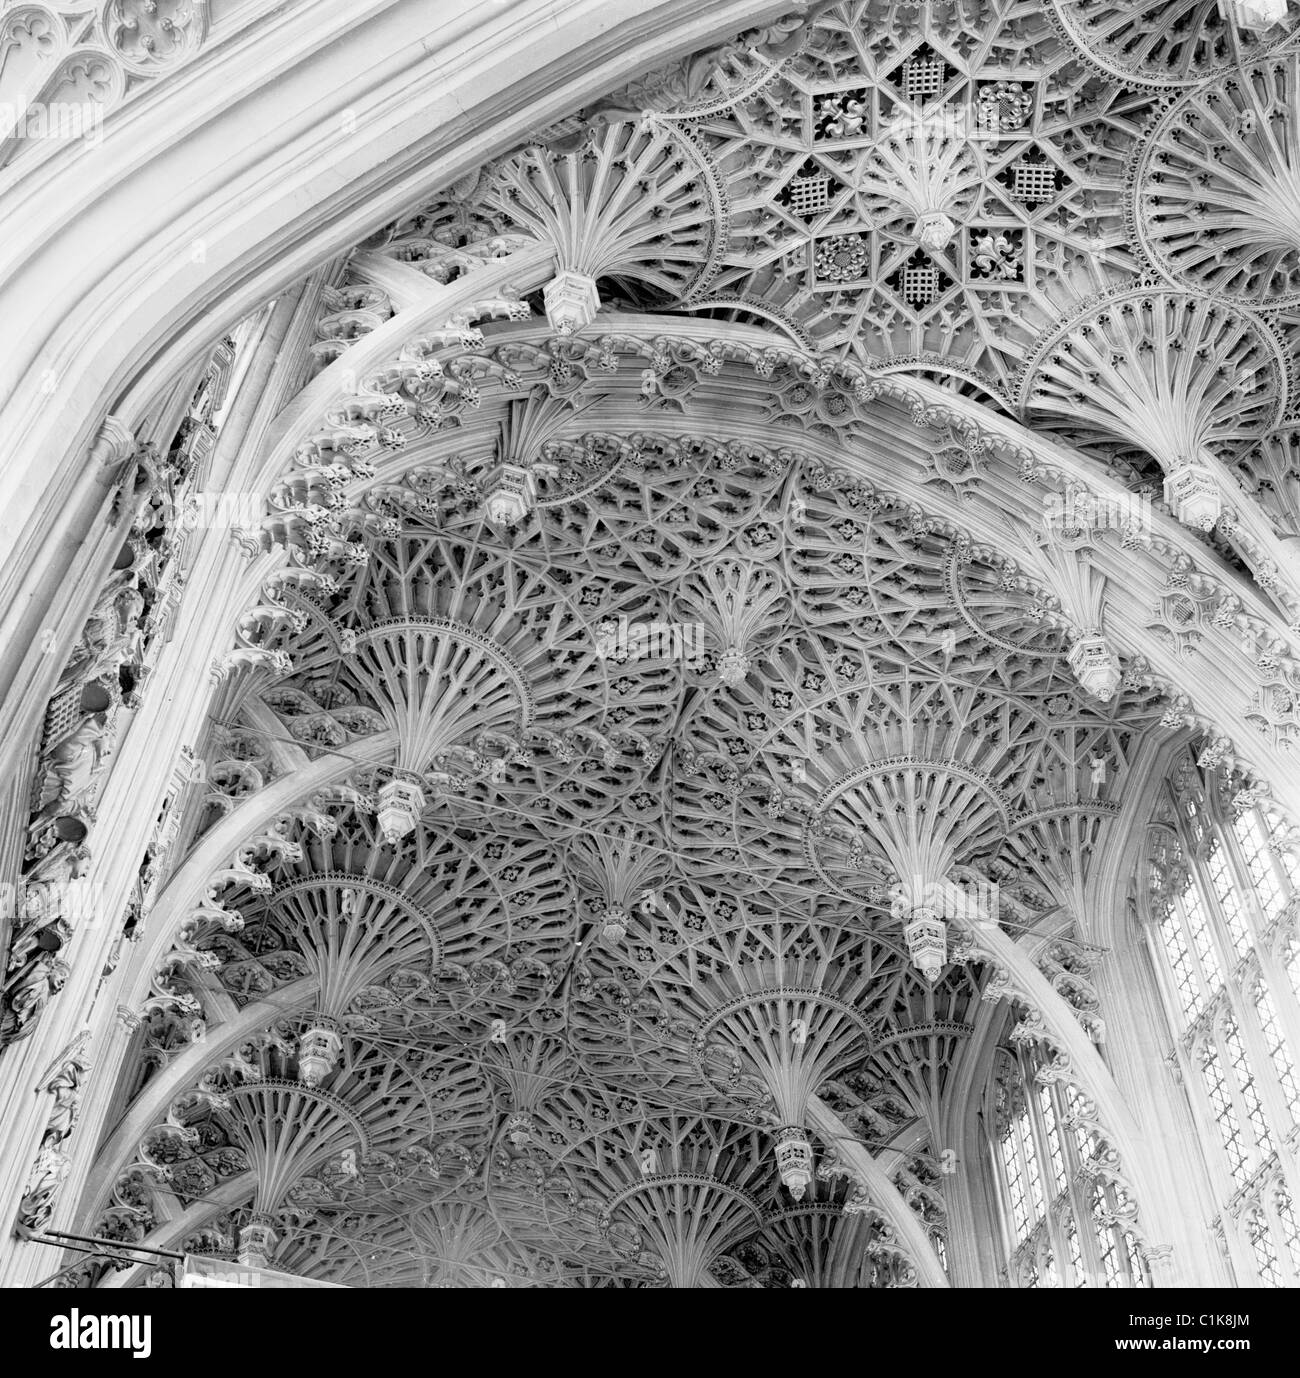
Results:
1066 1223
1222 895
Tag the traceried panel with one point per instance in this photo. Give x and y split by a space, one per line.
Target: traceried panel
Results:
685 754
1216 178
465 918
923 184
1171 43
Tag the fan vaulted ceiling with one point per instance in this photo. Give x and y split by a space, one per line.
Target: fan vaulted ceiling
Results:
637 685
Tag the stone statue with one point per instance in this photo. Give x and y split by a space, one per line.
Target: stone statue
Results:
1097 774
77 764
28 993
66 1088
36 938
37 1204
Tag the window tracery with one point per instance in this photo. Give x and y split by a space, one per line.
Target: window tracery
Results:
1221 892
1065 1223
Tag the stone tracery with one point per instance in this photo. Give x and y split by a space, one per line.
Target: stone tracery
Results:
700 760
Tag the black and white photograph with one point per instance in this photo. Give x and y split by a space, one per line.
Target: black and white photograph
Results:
650 644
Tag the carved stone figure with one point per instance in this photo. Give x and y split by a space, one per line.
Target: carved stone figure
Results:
77 765
27 994
48 1174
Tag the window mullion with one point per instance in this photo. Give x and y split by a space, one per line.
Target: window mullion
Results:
1166 979
1189 907
1268 1087
1002 1196
1043 1146
1272 860
1079 1197
1243 882
1249 1130
1257 1230
1281 1109
1086 1226
1209 1121
1286 1001
1224 949
1230 904
1282 1233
